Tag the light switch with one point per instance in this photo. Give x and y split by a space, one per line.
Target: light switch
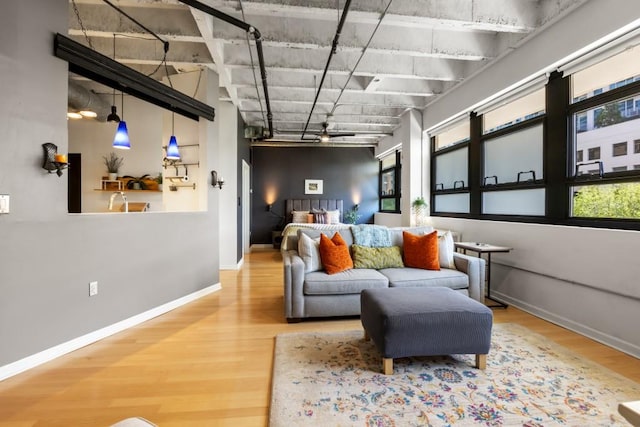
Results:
4 203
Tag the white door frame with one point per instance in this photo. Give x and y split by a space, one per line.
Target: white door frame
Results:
246 207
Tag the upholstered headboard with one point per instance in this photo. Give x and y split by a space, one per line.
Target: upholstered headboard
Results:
308 204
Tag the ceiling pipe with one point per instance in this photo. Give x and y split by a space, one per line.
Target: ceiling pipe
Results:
258 38
334 48
80 98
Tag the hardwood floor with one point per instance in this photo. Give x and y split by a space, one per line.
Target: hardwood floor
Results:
204 364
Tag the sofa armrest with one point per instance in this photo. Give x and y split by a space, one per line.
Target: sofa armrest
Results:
474 267
293 284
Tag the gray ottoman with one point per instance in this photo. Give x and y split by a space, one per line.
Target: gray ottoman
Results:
407 322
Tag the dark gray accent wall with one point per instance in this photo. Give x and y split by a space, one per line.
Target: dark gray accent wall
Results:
350 174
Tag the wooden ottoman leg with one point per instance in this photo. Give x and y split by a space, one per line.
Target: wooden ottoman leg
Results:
481 361
387 366
366 335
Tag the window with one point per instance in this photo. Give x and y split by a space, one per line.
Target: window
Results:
612 191
389 182
594 153
616 201
581 145
620 149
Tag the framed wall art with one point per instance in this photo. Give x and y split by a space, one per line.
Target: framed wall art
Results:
312 186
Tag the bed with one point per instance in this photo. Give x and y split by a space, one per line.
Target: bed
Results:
307 205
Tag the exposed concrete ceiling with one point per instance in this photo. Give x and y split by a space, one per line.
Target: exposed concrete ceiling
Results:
416 51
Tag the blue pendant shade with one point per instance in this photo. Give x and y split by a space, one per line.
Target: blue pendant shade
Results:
172 149
121 139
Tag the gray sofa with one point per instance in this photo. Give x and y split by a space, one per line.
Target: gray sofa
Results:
316 294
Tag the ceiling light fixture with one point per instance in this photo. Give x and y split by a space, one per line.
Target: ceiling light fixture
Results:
121 140
89 114
73 115
173 153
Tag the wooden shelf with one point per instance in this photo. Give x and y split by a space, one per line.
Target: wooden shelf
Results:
128 191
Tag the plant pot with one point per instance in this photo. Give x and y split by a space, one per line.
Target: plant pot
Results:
113 176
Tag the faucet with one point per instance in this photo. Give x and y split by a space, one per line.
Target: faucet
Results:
124 199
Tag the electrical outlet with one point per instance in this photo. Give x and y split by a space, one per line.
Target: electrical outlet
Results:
4 203
93 289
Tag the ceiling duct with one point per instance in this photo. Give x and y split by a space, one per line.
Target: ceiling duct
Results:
89 63
80 98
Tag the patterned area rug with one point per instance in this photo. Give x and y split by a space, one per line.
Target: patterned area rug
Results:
334 379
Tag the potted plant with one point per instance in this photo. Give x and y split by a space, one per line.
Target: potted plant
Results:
420 210
113 163
352 216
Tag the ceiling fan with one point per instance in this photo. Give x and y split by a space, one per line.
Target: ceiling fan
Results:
325 136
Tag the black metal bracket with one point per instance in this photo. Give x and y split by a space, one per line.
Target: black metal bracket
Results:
495 180
598 162
532 172
455 184
441 186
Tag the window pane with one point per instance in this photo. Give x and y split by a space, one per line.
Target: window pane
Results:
453 203
506 156
608 135
388 204
453 136
514 202
452 167
388 183
522 109
607 201
617 71
620 149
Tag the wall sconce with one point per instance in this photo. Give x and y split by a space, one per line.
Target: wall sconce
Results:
53 161
269 207
216 181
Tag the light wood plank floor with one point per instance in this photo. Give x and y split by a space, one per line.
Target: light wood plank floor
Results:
205 364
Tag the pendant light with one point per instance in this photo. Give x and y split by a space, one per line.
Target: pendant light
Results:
121 140
172 149
113 117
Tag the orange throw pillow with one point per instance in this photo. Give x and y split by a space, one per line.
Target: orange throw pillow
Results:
421 251
334 254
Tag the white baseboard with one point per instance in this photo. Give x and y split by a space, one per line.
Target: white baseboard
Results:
37 359
606 339
237 266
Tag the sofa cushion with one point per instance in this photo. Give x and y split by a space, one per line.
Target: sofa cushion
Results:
346 282
366 257
409 277
395 233
421 251
309 251
376 236
446 250
344 230
334 254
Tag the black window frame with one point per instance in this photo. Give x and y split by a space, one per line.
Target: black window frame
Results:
396 169
559 161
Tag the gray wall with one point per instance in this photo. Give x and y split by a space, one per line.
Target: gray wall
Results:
584 279
350 174
48 256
